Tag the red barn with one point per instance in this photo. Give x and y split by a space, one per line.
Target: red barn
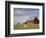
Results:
32 20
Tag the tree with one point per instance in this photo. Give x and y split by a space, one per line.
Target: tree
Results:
36 20
18 23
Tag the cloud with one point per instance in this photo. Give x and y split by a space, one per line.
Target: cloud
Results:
23 11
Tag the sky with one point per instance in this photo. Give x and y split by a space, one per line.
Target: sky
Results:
21 14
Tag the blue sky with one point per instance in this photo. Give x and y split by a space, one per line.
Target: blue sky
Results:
21 14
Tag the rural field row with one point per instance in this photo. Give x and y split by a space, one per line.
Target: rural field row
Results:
26 26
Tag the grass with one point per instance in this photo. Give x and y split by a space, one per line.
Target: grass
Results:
26 26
